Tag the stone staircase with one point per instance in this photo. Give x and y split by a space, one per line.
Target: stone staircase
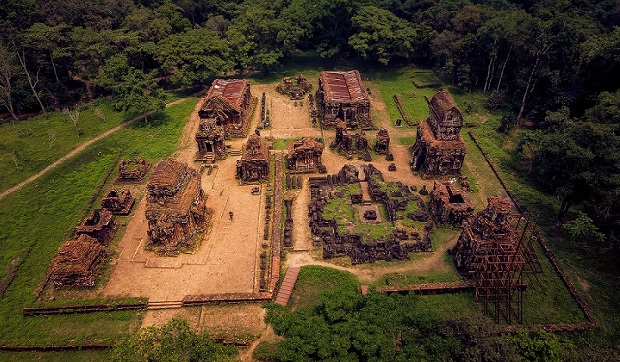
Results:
209 157
234 152
164 304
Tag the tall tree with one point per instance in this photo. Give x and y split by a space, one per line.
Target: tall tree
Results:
33 79
8 69
132 89
194 56
381 35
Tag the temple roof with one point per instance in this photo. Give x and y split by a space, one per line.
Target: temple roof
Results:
168 173
305 143
442 102
428 136
229 90
343 87
255 149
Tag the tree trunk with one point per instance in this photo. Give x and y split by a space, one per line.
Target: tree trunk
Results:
566 203
9 107
33 84
54 68
490 71
528 90
6 100
501 74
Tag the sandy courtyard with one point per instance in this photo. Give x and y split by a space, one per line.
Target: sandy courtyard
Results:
227 259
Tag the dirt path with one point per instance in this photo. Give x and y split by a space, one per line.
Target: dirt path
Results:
79 149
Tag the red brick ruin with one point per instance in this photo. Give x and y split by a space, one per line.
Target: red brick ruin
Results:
304 156
133 170
228 105
349 144
210 140
448 205
176 207
254 163
495 248
119 203
382 145
76 262
439 148
295 88
341 95
363 248
99 224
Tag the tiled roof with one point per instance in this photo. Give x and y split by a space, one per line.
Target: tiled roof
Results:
229 90
343 87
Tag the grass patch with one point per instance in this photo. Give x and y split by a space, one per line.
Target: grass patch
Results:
36 219
282 143
75 356
399 81
33 144
338 207
313 280
407 141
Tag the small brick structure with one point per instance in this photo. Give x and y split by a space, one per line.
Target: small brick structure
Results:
76 263
295 88
132 170
119 203
304 156
99 224
254 163
349 144
210 140
382 145
439 148
176 207
342 95
449 205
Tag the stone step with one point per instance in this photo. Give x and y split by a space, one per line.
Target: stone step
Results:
165 304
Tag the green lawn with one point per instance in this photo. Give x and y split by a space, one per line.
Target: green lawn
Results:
36 219
30 145
313 280
399 81
33 144
73 356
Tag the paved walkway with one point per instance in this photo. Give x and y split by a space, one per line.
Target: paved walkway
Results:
286 289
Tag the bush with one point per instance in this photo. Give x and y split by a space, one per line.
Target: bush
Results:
174 341
265 351
506 123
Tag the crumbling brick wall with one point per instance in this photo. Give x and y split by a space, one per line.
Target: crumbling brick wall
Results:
119 203
99 224
176 210
133 170
449 205
76 263
295 88
304 156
